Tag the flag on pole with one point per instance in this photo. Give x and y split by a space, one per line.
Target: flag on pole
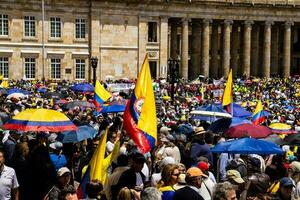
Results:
97 168
101 95
140 112
202 91
227 95
258 115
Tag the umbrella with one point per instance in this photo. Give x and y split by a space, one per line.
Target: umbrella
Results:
50 95
3 91
16 95
80 104
275 139
239 111
281 128
114 108
40 120
247 146
42 90
248 130
82 133
83 87
210 113
17 90
222 125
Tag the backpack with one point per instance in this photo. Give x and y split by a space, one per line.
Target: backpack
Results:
237 165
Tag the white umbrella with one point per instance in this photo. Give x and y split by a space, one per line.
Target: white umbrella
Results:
16 95
211 113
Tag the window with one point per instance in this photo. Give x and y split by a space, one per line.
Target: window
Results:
4 67
152 31
55 27
80 68
4 25
80 28
30 68
29 25
55 68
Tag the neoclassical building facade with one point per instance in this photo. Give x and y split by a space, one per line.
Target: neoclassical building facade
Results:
55 39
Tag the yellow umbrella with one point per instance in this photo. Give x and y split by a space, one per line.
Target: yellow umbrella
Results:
280 126
40 120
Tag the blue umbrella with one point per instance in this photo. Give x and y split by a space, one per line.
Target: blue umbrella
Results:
17 90
238 111
115 108
42 90
247 146
222 125
83 87
82 133
209 108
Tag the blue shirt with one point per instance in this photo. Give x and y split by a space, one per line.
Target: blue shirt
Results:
58 161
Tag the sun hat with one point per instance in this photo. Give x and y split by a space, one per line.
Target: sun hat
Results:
234 175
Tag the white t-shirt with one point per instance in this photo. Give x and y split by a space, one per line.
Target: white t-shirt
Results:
8 181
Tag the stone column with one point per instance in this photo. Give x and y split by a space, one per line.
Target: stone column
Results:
255 50
267 49
194 70
185 48
94 41
143 34
174 43
275 50
287 49
226 47
205 47
247 47
215 45
235 41
163 49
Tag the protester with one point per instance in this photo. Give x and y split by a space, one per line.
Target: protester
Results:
194 182
224 191
8 181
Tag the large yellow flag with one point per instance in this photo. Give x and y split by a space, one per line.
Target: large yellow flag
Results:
99 163
227 95
4 84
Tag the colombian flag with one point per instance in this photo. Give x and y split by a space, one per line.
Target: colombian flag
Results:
101 95
258 116
140 114
97 168
227 95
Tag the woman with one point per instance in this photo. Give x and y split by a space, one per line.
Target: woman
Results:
169 176
128 194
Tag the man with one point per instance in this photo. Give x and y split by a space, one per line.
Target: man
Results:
294 173
199 147
63 183
285 189
8 181
151 193
225 191
57 157
191 191
133 178
68 194
9 146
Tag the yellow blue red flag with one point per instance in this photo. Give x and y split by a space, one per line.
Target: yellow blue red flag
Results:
227 95
101 95
140 112
258 115
97 169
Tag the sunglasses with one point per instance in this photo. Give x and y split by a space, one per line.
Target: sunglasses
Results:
176 174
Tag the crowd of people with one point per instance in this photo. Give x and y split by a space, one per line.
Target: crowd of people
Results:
37 166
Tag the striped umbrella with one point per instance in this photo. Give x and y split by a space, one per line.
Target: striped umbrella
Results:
281 128
39 120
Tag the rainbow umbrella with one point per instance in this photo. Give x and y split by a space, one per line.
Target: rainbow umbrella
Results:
281 128
39 120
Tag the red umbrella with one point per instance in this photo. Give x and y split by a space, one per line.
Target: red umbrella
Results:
248 130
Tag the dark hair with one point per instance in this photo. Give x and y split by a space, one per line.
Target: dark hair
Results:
65 192
122 160
139 158
93 188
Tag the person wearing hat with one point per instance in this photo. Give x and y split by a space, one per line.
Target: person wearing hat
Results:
57 157
63 182
193 180
286 186
199 146
234 177
294 173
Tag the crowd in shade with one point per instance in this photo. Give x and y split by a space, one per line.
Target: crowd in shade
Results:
185 164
